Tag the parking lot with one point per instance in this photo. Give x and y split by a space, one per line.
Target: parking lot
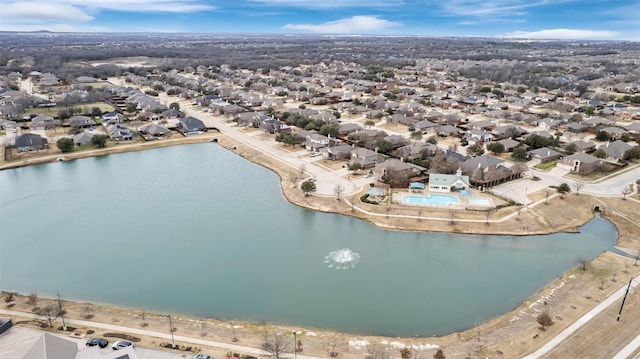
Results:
17 341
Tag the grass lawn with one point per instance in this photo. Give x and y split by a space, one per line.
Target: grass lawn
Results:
546 166
86 107
2 133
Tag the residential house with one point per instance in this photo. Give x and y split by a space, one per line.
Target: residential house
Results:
154 130
482 125
508 131
30 142
347 128
478 137
191 125
83 138
272 125
43 122
581 163
338 153
615 133
77 122
316 142
113 118
486 170
365 157
425 126
584 146
509 144
416 150
397 173
119 132
396 141
171 114
448 130
544 154
615 150
576 127
448 183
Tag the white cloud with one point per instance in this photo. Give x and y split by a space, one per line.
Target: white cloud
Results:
566 34
491 8
178 6
36 11
353 25
332 4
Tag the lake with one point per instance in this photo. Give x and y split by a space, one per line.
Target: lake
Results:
198 230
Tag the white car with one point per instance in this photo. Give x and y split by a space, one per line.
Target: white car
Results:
315 154
121 344
369 174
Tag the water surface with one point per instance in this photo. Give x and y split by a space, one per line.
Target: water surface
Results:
197 230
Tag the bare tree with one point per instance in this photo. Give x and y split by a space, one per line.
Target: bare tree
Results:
578 186
546 196
293 178
49 313
375 351
405 353
32 300
339 189
544 320
143 317
88 311
9 297
439 354
332 348
276 344
583 262
625 191
419 215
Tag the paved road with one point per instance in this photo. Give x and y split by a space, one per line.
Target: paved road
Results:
610 186
178 338
612 299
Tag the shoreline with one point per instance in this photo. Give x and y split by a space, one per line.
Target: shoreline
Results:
538 220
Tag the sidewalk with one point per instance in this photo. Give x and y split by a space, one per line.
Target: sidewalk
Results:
613 298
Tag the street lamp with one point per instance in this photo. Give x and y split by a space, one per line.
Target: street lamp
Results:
295 342
173 343
64 325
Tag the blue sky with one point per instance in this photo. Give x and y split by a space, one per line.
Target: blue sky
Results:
543 19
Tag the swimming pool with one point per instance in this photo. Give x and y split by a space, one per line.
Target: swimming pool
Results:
437 199
479 201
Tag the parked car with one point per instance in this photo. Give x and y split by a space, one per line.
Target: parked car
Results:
121 344
312 179
315 154
369 174
201 356
101 342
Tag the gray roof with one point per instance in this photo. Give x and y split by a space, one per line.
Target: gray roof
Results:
482 162
582 157
49 346
544 152
616 149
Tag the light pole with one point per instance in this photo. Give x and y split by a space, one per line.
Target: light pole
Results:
173 343
64 325
525 198
295 348
623 299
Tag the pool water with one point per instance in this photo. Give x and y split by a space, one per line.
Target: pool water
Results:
479 201
437 199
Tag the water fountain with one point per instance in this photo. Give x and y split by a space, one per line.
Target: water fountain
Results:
342 259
